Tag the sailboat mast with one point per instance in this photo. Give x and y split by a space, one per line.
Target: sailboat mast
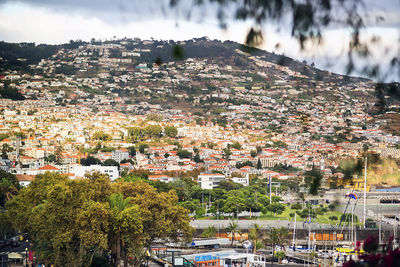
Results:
270 188
309 235
352 226
294 232
365 189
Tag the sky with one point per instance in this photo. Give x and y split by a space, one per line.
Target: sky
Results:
58 21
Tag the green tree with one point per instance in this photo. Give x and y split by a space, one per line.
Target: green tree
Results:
229 185
154 117
182 154
280 255
236 145
232 229
234 203
51 158
190 205
333 218
110 162
209 232
296 206
102 136
243 164
135 133
332 207
227 153
143 147
51 209
4 150
162 217
276 208
272 239
9 186
153 131
119 205
3 136
197 158
170 131
181 188
276 236
255 236
74 221
90 161
132 151
259 165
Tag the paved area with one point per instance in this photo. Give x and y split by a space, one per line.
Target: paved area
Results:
246 224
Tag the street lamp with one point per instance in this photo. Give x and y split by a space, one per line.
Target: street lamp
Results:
26 257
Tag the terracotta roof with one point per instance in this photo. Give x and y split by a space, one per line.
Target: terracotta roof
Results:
49 168
26 157
25 177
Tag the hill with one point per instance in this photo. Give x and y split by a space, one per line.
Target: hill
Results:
200 76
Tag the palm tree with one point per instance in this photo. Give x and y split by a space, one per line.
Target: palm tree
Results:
283 234
255 236
8 188
117 205
232 229
280 255
277 236
209 232
272 239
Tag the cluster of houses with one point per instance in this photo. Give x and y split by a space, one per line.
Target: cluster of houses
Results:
279 116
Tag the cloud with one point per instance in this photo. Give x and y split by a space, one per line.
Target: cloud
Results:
20 23
49 21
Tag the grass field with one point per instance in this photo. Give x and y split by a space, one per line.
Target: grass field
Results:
323 219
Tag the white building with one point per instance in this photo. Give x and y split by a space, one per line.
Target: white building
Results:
120 154
161 178
80 171
210 180
241 180
24 179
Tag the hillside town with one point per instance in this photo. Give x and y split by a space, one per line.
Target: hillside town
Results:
216 133
103 107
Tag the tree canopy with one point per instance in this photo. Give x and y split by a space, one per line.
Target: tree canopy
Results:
72 221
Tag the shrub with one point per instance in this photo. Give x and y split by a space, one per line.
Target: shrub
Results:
296 206
333 218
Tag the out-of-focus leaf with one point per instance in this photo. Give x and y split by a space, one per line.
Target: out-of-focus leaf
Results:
254 38
158 61
177 52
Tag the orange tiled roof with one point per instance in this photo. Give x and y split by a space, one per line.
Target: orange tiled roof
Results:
49 168
25 177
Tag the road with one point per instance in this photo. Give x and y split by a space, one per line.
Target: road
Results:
246 224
